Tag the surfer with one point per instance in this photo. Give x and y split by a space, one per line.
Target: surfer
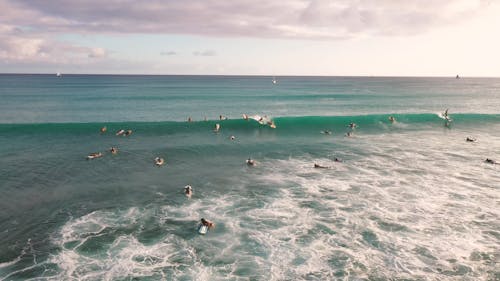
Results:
232 138
469 139
207 223
353 125
94 155
128 133
159 161
103 130
392 119
271 124
490 161
222 117
245 116
188 190
326 132
337 160
318 166
120 132
190 119
250 162
217 128
113 150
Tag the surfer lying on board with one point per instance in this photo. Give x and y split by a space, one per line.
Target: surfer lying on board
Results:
250 162
491 161
469 139
207 223
318 166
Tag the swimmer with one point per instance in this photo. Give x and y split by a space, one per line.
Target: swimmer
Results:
103 130
232 138
207 223
128 133
318 166
250 162
392 119
94 155
159 161
217 128
120 132
469 139
113 150
491 161
326 132
188 191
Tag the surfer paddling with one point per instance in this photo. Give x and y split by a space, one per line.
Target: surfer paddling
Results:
469 139
159 161
188 191
318 166
491 161
250 162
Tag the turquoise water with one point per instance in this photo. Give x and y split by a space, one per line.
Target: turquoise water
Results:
412 200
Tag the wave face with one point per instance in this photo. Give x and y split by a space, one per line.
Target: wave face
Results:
411 200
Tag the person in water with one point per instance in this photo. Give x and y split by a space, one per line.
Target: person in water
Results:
491 161
104 130
353 125
469 139
207 223
217 128
190 119
232 138
250 162
159 161
318 166
326 132
128 133
337 160
349 134
113 150
120 132
188 190
392 119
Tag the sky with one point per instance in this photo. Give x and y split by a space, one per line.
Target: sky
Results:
252 37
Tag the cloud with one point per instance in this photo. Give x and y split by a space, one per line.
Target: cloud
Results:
313 19
168 53
97 53
17 45
206 53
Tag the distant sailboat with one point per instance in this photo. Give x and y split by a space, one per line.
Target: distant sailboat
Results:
274 80
58 74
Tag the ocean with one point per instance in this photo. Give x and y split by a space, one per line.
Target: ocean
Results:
409 200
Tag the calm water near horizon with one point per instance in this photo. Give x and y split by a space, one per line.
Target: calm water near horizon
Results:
412 200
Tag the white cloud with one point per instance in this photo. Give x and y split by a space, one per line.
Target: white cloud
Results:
97 53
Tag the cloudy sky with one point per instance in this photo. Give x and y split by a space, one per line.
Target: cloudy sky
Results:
255 37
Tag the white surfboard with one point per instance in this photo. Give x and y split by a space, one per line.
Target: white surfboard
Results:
202 229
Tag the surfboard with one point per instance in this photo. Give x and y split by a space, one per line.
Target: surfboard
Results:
202 229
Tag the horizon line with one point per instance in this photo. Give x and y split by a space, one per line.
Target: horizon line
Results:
249 75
